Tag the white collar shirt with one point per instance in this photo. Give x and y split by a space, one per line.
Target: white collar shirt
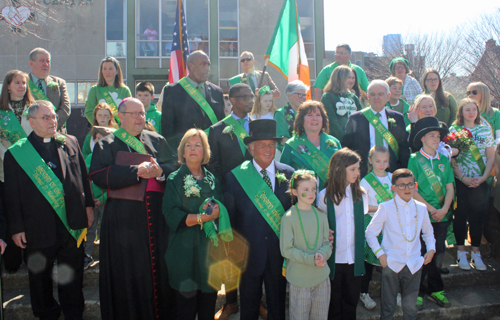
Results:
271 171
344 219
395 245
383 119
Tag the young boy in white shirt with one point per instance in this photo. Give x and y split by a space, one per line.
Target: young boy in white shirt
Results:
401 221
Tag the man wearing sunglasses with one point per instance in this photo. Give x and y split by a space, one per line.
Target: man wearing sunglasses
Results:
253 77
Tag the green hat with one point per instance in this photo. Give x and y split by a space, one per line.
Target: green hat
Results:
264 90
396 60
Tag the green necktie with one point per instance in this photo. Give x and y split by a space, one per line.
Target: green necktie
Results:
266 178
242 122
250 82
379 140
242 146
200 89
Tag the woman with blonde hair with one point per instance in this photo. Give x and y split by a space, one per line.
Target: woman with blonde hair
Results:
339 101
480 93
263 107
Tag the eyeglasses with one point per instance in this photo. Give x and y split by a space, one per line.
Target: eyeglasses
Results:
54 117
432 80
474 92
136 114
403 186
300 95
246 97
245 60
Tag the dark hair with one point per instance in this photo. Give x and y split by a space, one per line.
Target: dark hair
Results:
345 46
401 173
336 183
118 83
298 177
440 96
145 86
5 95
460 112
306 108
233 91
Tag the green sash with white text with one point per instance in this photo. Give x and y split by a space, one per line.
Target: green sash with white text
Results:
46 182
36 92
316 159
11 127
261 195
198 97
431 177
130 140
238 130
378 187
386 134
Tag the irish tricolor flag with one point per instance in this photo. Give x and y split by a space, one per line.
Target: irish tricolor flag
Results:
286 50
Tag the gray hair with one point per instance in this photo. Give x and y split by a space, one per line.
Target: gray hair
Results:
295 85
378 82
34 53
33 109
194 55
248 53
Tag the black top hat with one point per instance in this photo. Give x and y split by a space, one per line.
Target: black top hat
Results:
425 125
262 129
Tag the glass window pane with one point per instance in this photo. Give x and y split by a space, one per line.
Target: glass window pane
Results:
306 14
168 11
228 20
83 91
116 48
147 23
70 86
197 20
228 49
115 20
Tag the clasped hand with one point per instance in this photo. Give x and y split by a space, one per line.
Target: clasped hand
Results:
319 260
148 170
215 211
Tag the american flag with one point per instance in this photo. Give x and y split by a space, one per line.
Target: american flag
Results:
180 46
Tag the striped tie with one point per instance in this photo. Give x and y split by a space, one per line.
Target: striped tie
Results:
40 85
266 178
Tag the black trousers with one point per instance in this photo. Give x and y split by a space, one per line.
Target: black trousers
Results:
69 278
431 271
472 206
251 294
345 293
367 277
190 304
12 256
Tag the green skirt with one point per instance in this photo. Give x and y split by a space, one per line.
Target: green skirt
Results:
369 255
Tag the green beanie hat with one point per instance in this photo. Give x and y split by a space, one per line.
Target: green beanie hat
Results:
396 60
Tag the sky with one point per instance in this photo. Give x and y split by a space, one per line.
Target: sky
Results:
365 23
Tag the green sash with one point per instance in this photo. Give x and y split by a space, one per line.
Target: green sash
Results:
474 150
36 92
261 195
11 127
374 182
239 130
46 181
386 134
359 237
431 177
130 140
198 97
234 80
316 159
225 232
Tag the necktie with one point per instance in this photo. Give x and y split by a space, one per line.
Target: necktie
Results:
40 85
200 89
250 82
266 178
379 141
242 122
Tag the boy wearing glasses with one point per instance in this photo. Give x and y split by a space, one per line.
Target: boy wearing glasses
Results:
435 179
145 92
401 220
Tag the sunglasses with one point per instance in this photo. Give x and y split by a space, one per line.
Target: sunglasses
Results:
474 92
245 60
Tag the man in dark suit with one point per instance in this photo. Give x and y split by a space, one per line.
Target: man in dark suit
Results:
36 171
253 77
259 226
180 110
360 135
53 88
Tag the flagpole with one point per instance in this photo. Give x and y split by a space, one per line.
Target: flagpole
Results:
263 73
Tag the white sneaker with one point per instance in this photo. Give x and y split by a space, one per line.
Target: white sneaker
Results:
367 301
477 262
398 300
462 260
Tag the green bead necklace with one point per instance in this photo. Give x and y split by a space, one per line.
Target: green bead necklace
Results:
302 227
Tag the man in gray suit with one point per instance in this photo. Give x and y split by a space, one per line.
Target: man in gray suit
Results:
46 87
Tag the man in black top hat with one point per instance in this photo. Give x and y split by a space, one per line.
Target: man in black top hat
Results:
247 187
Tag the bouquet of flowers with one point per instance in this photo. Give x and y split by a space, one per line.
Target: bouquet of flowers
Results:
462 139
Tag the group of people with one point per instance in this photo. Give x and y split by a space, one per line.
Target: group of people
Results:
316 194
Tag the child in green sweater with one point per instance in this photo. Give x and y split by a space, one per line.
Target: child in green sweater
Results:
145 92
305 246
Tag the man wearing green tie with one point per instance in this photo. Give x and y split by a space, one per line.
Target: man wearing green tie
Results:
253 77
377 125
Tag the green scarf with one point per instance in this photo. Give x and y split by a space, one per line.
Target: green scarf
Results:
225 232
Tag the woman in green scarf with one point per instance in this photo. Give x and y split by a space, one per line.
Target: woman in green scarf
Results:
192 227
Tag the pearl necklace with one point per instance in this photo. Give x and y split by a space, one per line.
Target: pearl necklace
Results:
399 220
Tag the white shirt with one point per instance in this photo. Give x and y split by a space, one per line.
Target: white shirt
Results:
271 170
399 251
344 218
383 119
372 200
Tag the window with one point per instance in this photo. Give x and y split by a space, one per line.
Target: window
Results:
116 30
228 40
147 28
70 86
83 91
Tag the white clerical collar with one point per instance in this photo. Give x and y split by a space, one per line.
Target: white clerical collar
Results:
46 140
